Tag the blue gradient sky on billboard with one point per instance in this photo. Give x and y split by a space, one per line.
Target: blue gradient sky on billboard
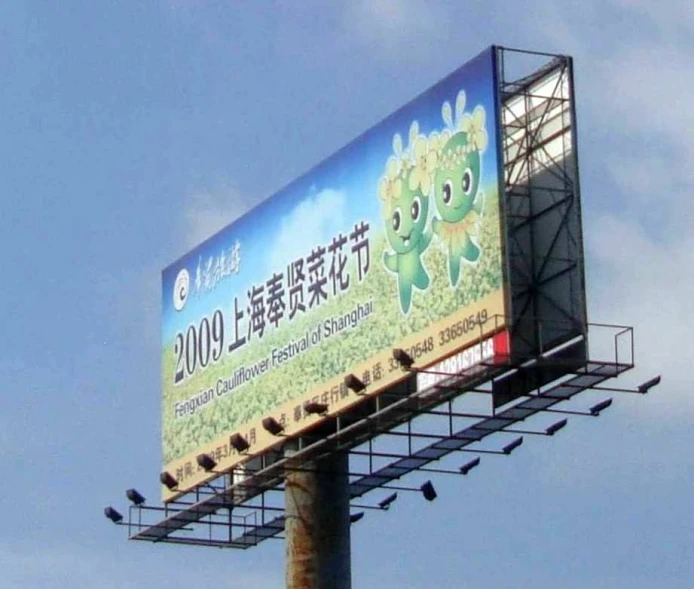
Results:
347 180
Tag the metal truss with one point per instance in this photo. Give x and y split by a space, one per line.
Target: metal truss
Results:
542 197
235 511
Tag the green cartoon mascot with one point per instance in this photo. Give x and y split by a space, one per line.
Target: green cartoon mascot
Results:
404 191
459 200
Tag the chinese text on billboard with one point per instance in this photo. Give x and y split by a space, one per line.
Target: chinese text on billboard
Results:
393 242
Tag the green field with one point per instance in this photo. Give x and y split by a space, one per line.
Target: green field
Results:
336 355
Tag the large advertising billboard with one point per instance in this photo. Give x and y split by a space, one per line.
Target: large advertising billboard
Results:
393 242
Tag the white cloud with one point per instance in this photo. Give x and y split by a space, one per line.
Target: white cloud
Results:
397 28
211 210
645 252
648 285
314 222
665 18
649 86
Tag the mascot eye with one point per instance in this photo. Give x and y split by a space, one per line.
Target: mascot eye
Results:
396 219
447 191
467 181
416 209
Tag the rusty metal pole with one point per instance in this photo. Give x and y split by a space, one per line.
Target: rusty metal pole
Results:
317 524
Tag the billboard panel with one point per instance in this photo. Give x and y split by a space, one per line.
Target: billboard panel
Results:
393 242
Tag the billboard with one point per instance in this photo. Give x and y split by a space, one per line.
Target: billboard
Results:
393 242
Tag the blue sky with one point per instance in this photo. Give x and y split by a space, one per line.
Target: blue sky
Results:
130 131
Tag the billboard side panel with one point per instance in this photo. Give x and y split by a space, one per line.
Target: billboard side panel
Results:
543 225
393 242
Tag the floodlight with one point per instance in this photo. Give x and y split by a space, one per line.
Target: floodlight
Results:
596 409
315 408
403 358
135 497
206 462
508 448
238 443
555 427
354 384
168 480
113 515
273 426
385 504
355 517
466 468
428 491
649 384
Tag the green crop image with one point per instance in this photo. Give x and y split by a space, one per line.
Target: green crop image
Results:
381 330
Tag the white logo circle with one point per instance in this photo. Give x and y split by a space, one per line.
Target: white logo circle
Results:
181 289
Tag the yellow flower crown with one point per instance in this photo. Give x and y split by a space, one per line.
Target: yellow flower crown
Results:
418 163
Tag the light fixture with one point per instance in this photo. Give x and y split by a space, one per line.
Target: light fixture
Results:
555 427
466 468
428 491
385 504
649 384
596 409
238 443
168 480
273 426
355 517
353 383
403 358
206 462
508 448
113 515
315 408
135 497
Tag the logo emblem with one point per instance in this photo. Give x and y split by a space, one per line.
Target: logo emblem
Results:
181 289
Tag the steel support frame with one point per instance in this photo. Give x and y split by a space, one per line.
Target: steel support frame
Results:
542 200
245 512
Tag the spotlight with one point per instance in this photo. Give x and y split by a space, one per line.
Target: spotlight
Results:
428 491
385 504
649 384
596 409
354 384
135 497
314 408
403 358
168 480
206 462
113 515
466 468
355 517
555 427
508 448
238 443
273 426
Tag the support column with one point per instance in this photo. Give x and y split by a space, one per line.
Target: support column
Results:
317 544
